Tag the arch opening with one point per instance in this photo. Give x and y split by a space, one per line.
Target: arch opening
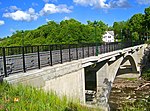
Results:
128 65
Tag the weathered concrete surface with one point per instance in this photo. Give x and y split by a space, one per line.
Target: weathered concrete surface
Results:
64 79
70 85
109 64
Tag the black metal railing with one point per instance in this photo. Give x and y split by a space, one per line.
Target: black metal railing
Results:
21 59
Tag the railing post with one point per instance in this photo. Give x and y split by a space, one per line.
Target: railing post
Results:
39 64
93 49
23 59
113 46
4 62
83 50
69 53
25 49
51 60
96 49
88 50
19 50
122 44
108 47
61 54
104 47
32 49
101 49
77 51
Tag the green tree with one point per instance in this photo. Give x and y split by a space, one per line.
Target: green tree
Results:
147 17
121 30
99 28
136 23
135 36
67 31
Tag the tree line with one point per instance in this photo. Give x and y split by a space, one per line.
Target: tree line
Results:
72 31
66 32
135 28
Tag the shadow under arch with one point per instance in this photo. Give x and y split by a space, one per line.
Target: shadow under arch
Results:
128 65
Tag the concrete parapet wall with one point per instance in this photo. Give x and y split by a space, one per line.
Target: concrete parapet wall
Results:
64 79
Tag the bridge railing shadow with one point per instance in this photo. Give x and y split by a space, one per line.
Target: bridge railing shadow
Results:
21 59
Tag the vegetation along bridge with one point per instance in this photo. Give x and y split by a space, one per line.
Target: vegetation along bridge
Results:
73 69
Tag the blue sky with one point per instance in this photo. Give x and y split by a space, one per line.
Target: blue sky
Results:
29 14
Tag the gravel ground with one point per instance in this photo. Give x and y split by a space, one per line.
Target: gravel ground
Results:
128 90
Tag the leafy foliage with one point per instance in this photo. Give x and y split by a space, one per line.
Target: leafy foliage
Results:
147 17
120 29
67 31
138 105
146 74
136 28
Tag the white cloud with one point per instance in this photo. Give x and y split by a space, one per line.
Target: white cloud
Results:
11 9
47 20
66 18
14 8
22 15
12 30
17 14
35 4
2 22
46 1
53 0
119 4
52 8
103 3
145 2
88 2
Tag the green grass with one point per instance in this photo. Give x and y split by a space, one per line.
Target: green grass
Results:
26 98
131 79
138 105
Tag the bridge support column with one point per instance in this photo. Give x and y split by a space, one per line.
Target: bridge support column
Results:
82 95
105 77
140 54
113 67
103 85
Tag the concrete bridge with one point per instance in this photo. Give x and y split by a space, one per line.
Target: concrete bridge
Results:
78 78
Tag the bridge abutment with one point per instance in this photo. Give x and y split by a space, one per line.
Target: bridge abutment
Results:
64 79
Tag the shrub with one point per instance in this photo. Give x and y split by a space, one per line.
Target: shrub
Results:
146 74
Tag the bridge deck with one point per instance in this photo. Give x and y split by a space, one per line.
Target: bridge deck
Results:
22 59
